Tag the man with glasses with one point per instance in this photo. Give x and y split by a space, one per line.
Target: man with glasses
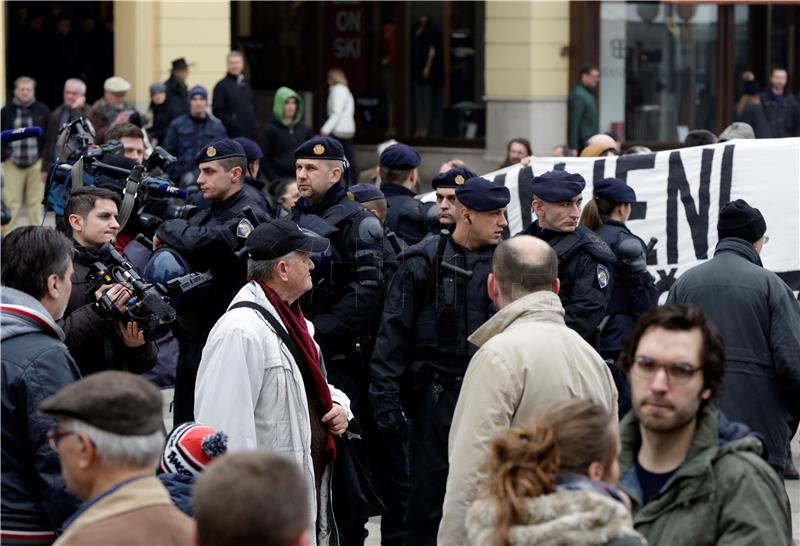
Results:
693 477
759 320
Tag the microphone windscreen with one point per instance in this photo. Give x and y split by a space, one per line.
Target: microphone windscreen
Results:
10 135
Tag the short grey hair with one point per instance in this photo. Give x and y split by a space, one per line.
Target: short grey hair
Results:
80 83
262 270
121 452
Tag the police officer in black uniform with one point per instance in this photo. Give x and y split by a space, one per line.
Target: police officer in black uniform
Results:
584 260
634 288
444 187
371 198
422 351
208 240
408 217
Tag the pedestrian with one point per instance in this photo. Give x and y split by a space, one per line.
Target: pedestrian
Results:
699 137
176 101
189 134
111 107
234 101
582 110
584 259
781 108
737 129
553 482
22 159
527 360
207 241
252 498
109 437
407 216
444 188
749 108
759 325
516 149
261 366
73 107
157 113
37 266
422 352
286 195
692 476
634 290
285 131
341 122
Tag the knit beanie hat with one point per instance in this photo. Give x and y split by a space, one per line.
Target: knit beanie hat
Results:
190 448
738 219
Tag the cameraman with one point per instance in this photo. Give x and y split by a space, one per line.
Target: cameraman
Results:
208 240
95 341
131 138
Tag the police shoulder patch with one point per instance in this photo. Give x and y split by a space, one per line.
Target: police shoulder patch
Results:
603 276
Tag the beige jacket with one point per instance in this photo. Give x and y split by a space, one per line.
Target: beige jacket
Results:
528 360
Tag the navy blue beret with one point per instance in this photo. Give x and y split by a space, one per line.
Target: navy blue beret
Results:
557 186
323 147
479 194
615 190
365 192
400 156
452 178
222 148
251 149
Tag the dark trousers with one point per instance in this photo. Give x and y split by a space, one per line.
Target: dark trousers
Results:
190 350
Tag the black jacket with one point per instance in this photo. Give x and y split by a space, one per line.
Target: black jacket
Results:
234 105
759 320
176 102
41 116
279 143
91 338
405 215
35 365
783 115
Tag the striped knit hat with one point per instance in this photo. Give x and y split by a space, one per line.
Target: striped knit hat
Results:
190 448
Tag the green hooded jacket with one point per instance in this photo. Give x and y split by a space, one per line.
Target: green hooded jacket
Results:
281 95
723 493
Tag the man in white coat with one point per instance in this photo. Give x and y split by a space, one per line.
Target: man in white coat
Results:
261 379
528 359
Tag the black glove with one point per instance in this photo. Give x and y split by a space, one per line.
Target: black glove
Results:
393 423
631 254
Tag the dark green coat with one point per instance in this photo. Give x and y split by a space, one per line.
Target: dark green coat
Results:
723 493
582 114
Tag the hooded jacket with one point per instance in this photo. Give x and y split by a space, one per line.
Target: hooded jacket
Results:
722 493
36 365
281 140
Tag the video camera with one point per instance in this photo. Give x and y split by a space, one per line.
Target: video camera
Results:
149 305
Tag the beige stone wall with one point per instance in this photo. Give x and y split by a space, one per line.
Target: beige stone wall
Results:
149 35
3 53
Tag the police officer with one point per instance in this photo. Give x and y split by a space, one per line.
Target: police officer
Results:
407 217
429 312
583 258
253 184
444 186
208 241
371 198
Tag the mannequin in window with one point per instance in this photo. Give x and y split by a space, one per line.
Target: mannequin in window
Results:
426 71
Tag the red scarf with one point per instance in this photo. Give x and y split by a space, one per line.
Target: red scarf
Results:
295 322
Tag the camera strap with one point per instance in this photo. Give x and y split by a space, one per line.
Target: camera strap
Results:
128 202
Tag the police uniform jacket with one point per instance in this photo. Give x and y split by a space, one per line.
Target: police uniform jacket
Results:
404 215
424 330
583 269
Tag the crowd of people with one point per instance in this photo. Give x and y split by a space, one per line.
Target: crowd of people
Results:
358 351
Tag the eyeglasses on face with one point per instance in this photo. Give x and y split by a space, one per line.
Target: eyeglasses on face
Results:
54 436
677 373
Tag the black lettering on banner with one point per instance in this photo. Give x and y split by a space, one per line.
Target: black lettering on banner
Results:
697 218
560 166
665 279
525 192
726 175
637 162
599 171
500 179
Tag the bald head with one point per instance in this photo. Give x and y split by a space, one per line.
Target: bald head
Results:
523 265
603 140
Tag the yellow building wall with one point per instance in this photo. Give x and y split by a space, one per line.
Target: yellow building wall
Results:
3 52
149 35
523 49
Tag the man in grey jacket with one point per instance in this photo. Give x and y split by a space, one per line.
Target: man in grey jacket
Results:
759 320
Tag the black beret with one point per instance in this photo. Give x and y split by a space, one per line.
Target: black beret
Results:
222 148
320 148
615 190
452 178
482 195
118 402
279 237
557 186
252 151
738 219
400 156
365 192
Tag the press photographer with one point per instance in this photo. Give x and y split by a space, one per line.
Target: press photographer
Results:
95 341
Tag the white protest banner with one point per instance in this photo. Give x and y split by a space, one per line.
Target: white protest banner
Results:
679 195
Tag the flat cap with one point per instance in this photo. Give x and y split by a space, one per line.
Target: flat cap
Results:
482 195
364 193
118 402
320 148
279 237
452 178
557 186
737 129
197 90
400 156
615 190
221 148
739 219
251 150
115 84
